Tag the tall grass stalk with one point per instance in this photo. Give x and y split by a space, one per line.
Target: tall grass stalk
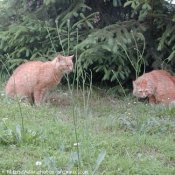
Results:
77 68
80 79
75 117
83 82
71 90
119 84
140 60
68 35
18 100
47 28
59 37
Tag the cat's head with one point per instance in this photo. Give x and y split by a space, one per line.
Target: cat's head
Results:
143 88
64 63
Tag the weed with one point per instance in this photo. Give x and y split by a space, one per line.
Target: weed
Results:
139 61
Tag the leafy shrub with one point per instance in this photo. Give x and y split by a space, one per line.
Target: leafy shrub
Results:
102 40
10 135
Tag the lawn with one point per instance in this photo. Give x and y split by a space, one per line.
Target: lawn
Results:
86 131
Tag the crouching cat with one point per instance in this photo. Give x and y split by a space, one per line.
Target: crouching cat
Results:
33 79
158 86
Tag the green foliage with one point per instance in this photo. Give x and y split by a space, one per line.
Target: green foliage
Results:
16 135
105 48
35 35
159 16
99 33
139 6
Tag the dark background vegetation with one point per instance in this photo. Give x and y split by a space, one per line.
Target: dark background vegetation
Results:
115 39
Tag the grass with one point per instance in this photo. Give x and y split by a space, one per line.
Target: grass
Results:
115 135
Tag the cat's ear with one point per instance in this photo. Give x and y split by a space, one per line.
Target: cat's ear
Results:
134 84
59 57
71 57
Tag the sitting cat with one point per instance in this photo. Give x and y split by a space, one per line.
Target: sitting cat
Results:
33 79
158 86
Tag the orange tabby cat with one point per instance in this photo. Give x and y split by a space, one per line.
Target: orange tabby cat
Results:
158 86
33 79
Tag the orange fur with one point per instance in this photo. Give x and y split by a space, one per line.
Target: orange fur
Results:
158 86
33 79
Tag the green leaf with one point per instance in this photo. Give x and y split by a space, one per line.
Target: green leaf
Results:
47 2
133 5
115 48
18 131
99 161
159 47
27 52
128 3
16 60
115 3
106 48
82 15
122 75
171 56
148 7
89 24
144 6
75 14
110 42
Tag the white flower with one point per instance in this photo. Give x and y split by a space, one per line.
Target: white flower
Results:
38 163
77 144
4 119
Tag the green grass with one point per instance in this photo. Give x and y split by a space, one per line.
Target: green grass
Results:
115 135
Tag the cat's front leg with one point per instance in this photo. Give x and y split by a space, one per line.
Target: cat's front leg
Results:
39 97
152 99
